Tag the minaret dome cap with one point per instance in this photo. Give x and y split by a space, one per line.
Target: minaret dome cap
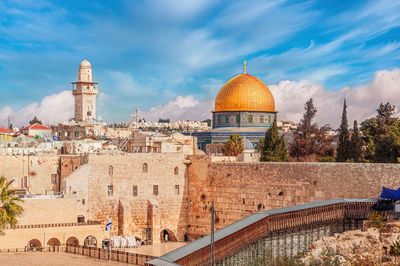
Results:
85 63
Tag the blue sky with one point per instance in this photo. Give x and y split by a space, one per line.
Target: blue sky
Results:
148 53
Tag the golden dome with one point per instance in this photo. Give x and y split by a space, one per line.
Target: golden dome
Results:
245 93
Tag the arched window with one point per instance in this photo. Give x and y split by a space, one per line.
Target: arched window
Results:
110 170
176 171
145 168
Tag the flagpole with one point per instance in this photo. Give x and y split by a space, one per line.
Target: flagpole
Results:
108 226
212 235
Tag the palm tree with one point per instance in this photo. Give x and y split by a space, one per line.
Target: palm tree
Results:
233 146
9 207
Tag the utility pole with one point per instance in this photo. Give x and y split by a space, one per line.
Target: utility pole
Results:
212 235
8 121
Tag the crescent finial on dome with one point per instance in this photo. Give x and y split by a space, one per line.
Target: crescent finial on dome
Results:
244 67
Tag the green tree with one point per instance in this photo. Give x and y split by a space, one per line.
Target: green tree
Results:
382 135
387 135
343 150
9 205
369 129
356 144
208 121
309 141
273 146
385 113
34 121
233 146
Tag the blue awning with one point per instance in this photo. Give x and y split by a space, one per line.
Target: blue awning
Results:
388 193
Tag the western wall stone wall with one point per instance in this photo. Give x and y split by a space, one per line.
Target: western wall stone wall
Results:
132 213
240 189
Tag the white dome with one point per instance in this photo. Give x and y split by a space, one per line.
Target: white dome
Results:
247 145
85 63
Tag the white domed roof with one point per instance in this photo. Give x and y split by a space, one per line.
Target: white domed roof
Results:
247 145
85 63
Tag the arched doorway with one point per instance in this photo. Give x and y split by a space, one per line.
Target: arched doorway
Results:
90 241
72 241
34 245
54 242
167 236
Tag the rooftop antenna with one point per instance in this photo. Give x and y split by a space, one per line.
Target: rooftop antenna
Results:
244 72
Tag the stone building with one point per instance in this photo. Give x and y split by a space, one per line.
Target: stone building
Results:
152 142
38 131
144 193
244 106
85 91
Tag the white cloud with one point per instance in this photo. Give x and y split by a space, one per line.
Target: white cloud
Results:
362 101
181 108
290 97
52 109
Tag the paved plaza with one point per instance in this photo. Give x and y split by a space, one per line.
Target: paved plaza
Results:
51 259
63 258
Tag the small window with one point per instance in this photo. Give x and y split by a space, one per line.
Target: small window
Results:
110 170
219 119
145 168
155 190
176 171
81 219
261 119
226 119
110 190
177 189
269 119
25 182
53 178
83 201
135 191
237 119
250 119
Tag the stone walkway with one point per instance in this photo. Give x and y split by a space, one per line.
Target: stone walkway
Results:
157 249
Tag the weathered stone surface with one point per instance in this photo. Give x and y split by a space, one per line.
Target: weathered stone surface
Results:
240 189
355 247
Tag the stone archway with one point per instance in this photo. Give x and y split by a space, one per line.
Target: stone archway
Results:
90 241
34 245
54 242
167 235
72 241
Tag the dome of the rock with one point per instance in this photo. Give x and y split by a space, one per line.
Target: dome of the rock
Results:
245 93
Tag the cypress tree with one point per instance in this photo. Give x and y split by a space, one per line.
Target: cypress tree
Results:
343 150
274 148
356 144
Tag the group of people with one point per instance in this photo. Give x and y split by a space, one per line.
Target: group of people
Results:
125 242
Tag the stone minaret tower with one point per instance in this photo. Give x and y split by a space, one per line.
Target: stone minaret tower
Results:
85 92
